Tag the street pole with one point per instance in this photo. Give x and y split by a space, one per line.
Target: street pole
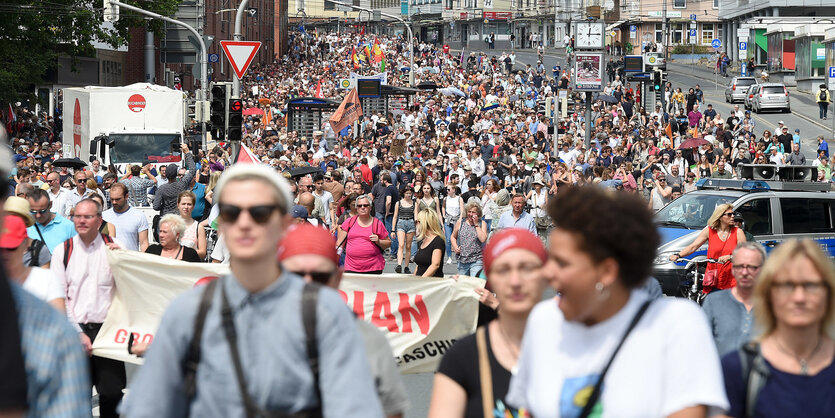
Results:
204 57
588 120
237 36
408 28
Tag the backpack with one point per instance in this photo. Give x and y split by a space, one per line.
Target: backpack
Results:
755 374
34 251
310 297
824 97
68 247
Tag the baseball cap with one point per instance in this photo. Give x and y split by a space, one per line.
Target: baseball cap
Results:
307 239
14 232
299 211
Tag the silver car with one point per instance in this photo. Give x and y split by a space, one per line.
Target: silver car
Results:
771 96
749 94
737 88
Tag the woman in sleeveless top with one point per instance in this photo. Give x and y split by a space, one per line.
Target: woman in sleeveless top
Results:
453 204
404 224
722 236
194 235
468 238
488 202
428 200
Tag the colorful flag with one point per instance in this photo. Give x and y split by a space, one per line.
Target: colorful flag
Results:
246 156
383 65
318 89
354 58
347 113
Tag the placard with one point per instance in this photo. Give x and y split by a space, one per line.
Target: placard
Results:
588 70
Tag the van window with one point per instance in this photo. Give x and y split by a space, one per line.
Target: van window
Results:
757 216
806 216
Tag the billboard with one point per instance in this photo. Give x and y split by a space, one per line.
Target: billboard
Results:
633 64
588 70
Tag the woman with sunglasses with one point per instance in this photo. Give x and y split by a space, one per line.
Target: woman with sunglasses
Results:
365 238
793 358
721 236
513 260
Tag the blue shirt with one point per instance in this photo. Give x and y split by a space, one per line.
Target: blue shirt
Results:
54 233
199 191
729 321
57 370
271 339
525 221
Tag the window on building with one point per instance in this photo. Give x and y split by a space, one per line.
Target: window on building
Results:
679 4
329 5
659 33
677 34
708 33
715 4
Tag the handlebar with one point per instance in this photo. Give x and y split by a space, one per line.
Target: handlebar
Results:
699 261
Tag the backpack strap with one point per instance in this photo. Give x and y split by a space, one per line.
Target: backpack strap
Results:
107 238
34 252
755 374
67 251
485 375
193 354
310 298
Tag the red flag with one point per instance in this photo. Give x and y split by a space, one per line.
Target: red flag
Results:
348 112
318 89
246 156
362 31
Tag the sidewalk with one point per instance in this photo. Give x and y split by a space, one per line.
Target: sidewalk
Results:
803 104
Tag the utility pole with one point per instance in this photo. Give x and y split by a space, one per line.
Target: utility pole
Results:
665 42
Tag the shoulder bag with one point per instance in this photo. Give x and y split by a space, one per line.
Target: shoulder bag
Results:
542 222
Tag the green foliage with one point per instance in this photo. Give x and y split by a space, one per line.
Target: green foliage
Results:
690 49
34 33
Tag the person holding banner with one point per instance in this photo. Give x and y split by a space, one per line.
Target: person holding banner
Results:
430 253
240 345
309 252
171 228
513 259
365 238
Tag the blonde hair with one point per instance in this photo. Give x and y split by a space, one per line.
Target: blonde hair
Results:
175 222
716 217
213 178
429 221
786 252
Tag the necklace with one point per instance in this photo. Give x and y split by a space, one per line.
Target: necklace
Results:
513 350
804 369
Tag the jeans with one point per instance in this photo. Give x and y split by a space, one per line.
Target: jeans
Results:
448 232
488 222
470 269
387 220
824 107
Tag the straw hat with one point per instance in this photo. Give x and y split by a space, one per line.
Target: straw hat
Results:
19 206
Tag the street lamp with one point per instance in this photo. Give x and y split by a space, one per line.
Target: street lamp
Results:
408 28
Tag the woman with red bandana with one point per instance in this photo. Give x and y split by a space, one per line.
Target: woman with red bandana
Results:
513 259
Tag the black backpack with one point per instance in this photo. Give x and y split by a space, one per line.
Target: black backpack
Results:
824 95
34 251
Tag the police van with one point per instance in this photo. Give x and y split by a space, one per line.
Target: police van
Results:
773 211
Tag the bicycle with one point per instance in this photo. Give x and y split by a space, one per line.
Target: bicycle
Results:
691 287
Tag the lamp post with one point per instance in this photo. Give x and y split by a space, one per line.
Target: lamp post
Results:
408 28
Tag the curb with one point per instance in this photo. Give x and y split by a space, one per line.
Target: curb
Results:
800 115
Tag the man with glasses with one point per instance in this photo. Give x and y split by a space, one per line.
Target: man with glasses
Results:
729 311
55 191
660 194
49 227
251 351
83 274
77 194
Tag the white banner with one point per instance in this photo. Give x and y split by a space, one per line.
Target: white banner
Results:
422 317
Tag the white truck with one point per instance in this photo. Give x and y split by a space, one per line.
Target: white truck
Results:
124 125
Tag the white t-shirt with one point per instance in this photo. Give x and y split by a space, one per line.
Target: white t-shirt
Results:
669 362
43 285
128 225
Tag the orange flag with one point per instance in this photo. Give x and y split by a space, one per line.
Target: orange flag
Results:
669 131
347 113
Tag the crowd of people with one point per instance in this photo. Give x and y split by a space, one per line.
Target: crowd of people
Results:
482 189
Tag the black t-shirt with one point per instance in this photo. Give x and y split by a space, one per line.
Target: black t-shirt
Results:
189 254
460 364
423 257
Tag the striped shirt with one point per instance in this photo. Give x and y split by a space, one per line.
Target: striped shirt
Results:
57 371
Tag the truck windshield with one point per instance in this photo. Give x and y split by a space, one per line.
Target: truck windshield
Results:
135 148
690 210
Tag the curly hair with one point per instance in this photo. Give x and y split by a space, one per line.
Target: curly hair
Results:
609 225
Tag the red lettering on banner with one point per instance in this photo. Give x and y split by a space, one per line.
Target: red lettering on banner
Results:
121 337
381 315
419 313
359 304
344 296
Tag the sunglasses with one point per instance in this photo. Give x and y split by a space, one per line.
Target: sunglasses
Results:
728 214
260 213
363 205
38 212
318 277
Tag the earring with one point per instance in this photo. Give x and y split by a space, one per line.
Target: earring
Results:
599 287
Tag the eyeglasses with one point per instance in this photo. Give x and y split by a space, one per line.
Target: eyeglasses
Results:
749 267
38 212
87 217
316 276
787 288
259 213
363 205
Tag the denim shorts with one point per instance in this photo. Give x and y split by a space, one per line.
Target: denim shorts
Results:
406 225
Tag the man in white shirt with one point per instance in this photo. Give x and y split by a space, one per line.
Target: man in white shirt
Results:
131 224
776 157
75 195
57 194
325 197
568 155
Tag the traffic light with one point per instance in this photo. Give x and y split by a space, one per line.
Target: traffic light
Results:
656 80
236 119
220 99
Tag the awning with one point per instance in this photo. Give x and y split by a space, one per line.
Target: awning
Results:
614 25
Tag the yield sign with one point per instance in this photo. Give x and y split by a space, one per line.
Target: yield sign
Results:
240 54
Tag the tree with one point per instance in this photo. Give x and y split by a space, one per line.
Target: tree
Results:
34 33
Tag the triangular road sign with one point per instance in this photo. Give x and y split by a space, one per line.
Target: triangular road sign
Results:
240 54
